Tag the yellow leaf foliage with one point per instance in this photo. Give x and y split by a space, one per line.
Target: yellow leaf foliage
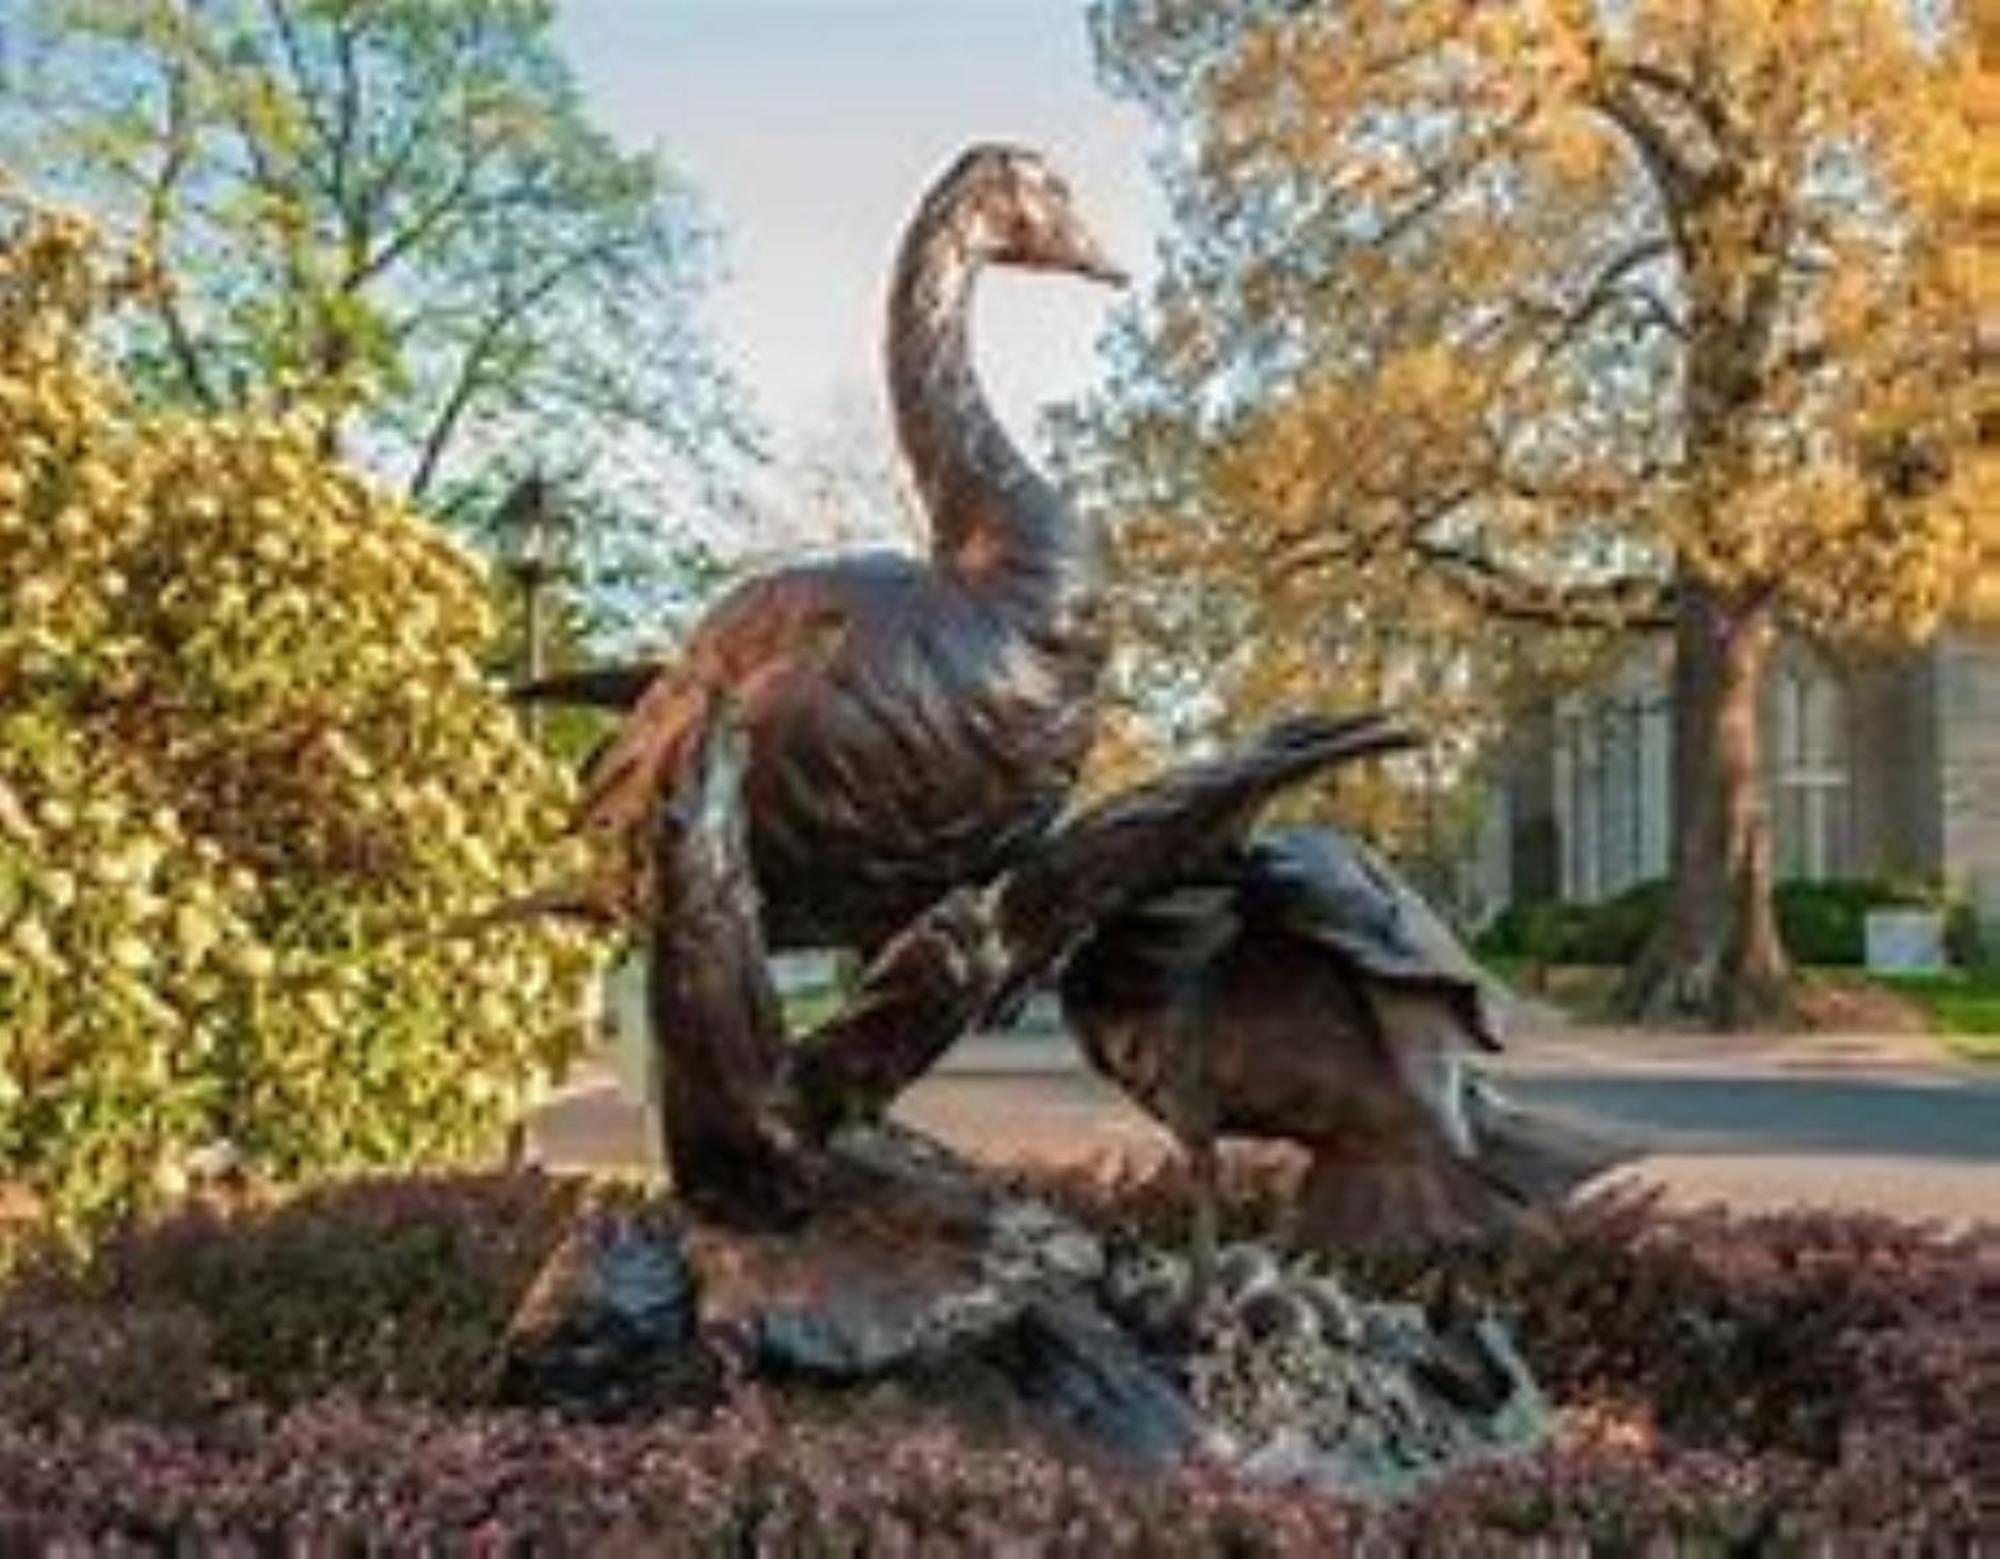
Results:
249 768
1527 304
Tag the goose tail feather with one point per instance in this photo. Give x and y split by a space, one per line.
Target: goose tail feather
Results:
1409 1196
616 688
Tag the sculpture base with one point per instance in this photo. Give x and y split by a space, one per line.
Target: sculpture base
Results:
609 1330
925 1275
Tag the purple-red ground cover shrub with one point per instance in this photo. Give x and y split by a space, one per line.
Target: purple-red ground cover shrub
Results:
308 1374
383 1287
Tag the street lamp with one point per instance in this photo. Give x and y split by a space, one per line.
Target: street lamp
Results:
534 536
528 519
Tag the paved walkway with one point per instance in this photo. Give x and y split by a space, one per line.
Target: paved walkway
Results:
1882 1123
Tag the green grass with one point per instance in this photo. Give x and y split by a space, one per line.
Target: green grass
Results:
1964 1007
807 1009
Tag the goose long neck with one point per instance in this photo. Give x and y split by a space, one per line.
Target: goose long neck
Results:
991 514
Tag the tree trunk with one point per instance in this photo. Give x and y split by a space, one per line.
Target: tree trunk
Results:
1717 957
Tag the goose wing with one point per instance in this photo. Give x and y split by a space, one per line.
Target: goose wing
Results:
630 772
1328 887
975 952
771 630
1125 849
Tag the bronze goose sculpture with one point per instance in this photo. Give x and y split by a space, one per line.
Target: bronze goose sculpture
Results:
1297 988
911 723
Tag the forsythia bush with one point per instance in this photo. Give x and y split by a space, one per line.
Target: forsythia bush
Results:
249 770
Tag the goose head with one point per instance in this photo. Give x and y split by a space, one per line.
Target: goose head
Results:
1009 207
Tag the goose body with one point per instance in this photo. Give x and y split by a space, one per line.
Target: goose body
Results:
1299 990
905 737
912 722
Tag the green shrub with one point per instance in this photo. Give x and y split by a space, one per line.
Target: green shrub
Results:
1537 930
249 769
1968 943
1555 931
1821 922
1615 931
1826 922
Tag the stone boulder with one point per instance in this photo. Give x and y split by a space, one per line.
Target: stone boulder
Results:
921 1275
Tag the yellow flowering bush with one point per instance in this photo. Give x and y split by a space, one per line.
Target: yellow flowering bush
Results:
249 773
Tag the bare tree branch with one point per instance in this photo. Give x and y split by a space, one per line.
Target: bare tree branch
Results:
425 223
1675 179
279 14
1497 589
1706 107
1624 601
1607 289
467 380
177 147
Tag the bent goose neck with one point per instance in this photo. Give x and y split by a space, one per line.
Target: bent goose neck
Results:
989 510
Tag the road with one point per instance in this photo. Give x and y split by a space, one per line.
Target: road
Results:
1867 1124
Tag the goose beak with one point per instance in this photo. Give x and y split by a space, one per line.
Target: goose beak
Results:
1098 268
1086 257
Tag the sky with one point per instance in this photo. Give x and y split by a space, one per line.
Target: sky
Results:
810 128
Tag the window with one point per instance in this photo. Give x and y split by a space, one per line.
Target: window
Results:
1808 736
1611 788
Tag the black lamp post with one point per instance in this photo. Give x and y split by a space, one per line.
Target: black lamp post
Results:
535 533
534 536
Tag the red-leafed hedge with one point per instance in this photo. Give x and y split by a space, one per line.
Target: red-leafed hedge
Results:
308 1373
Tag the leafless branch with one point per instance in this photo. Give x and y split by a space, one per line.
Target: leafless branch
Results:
1609 288
177 147
1675 179
1501 591
422 224
1627 601
284 26
1704 104
468 379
